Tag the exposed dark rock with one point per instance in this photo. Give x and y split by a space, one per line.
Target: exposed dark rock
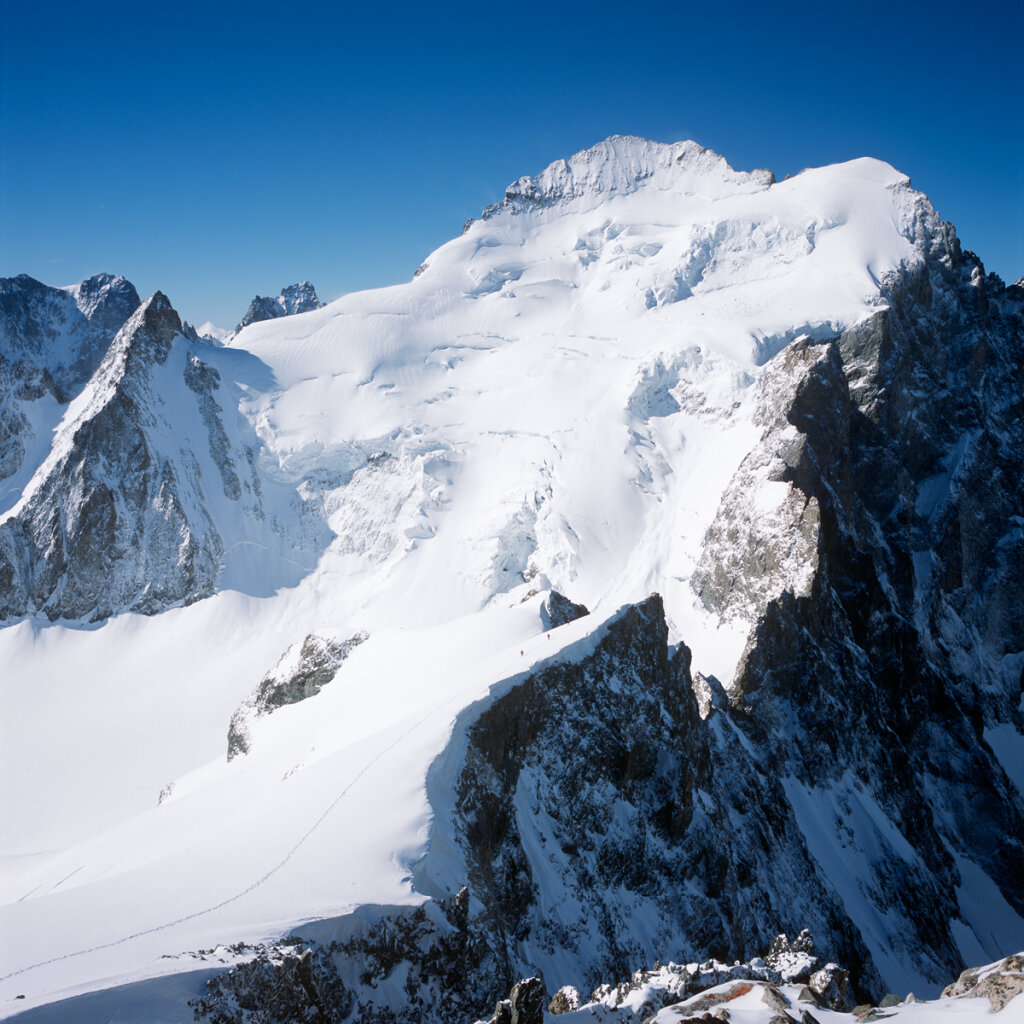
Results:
831 985
123 518
51 341
526 1002
633 807
204 381
107 528
286 985
302 672
557 610
64 332
296 298
565 1000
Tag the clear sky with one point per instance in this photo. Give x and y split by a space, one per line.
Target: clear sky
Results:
218 151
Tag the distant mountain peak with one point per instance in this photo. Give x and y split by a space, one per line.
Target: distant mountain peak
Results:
65 331
295 298
104 294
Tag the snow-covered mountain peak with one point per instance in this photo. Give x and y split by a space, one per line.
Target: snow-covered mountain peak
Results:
620 165
105 298
63 332
149 331
787 408
298 298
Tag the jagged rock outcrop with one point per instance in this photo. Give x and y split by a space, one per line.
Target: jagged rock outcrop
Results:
107 522
120 515
902 435
593 795
304 669
557 610
63 331
296 298
999 982
291 983
51 340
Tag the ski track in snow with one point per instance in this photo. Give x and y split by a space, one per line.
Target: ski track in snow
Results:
249 888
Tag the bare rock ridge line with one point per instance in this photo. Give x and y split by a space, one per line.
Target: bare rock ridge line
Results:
296 298
301 673
125 513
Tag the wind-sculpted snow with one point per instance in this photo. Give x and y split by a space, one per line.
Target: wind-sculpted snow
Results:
792 409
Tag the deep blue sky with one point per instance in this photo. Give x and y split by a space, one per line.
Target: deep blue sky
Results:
215 152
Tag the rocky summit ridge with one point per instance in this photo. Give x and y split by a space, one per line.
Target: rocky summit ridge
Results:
649 573
296 298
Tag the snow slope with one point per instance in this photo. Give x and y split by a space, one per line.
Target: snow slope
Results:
558 400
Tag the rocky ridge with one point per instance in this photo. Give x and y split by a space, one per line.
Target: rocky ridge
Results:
296 298
51 340
304 669
124 513
63 332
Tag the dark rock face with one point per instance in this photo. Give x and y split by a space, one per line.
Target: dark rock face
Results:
204 381
63 332
119 519
525 1004
141 495
296 298
298 675
116 522
287 985
849 775
557 610
51 340
600 778
904 652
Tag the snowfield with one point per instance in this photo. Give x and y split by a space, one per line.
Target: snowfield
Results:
557 401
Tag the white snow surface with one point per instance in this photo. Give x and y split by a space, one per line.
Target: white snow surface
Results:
211 330
558 400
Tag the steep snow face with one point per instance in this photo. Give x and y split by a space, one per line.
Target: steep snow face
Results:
144 494
563 393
